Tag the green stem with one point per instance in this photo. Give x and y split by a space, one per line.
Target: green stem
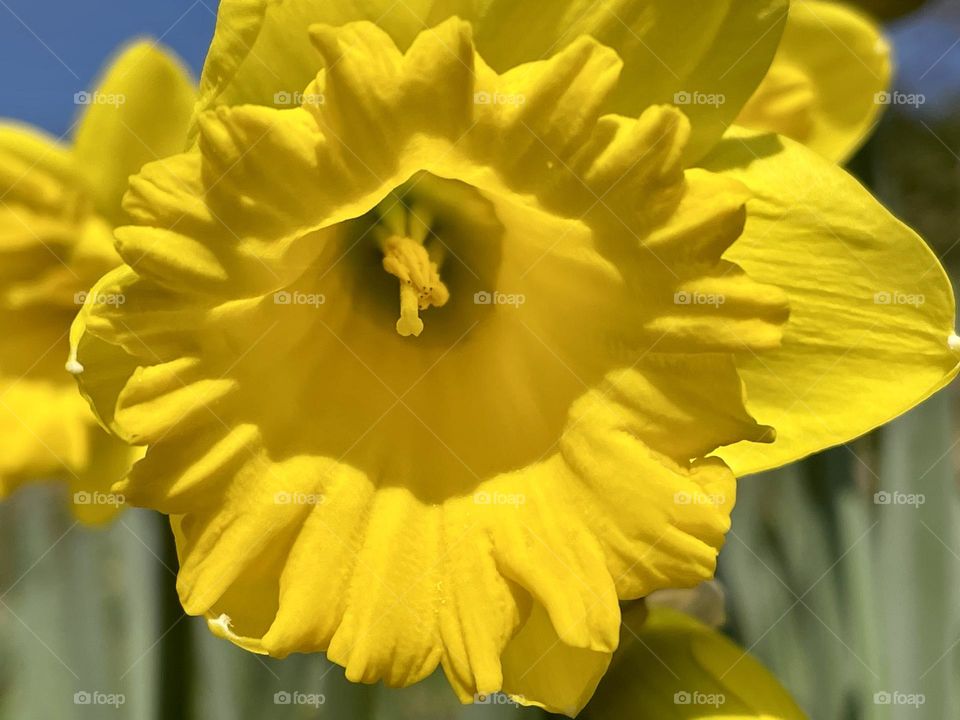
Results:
176 646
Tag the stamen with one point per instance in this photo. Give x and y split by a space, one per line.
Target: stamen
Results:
414 258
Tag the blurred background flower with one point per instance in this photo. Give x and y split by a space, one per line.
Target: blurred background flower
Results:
841 572
60 203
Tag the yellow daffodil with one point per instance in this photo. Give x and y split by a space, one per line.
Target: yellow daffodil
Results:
448 334
58 206
829 80
673 667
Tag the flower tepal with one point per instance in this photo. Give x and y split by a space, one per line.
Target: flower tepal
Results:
58 206
497 421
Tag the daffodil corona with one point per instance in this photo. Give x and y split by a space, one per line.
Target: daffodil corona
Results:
449 332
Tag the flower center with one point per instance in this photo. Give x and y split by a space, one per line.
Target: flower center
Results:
413 255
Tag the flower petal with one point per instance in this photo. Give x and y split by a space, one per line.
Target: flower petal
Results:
260 52
726 49
673 667
872 311
53 244
140 112
828 82
540 670
42 216
43 431
261 48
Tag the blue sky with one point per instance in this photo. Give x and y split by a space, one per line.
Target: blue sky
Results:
50 49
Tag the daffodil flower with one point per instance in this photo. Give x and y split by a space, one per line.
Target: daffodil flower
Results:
58 206
452 332
829 82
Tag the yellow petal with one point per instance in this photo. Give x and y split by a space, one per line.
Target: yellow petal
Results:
43 432
828 83
675 668
260 53
671 50
872 311
43 208
139 112
540 670
54 243
504 462
261 50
